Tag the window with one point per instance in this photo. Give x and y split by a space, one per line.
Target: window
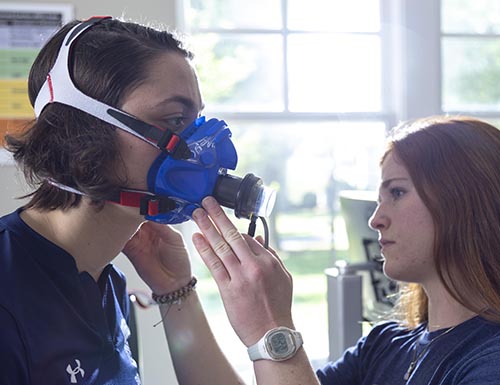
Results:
471 48
309 90
301 91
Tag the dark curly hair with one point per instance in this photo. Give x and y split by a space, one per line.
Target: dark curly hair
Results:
68 145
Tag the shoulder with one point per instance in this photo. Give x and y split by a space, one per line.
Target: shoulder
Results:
5 225
118 281
12 252
480 365
478 332
13 353
372 352
117 277
480 338
391 331
476 354
10 220
14 234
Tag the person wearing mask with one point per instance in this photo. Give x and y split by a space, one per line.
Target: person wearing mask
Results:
114 104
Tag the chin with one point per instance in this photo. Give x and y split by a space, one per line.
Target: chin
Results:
392 272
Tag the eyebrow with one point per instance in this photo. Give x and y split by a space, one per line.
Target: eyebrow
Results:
387 182
180 99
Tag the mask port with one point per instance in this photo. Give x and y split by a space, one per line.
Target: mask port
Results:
247 196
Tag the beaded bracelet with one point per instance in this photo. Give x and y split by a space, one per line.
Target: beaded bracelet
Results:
175 296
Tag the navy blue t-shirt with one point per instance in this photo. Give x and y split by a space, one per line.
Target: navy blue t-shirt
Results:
59 326
467 355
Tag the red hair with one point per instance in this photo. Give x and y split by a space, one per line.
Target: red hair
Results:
454 163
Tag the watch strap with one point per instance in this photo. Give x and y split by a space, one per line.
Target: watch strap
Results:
258 351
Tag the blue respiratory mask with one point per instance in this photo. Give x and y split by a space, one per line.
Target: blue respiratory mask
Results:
188 181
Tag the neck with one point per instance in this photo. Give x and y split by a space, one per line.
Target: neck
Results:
444 310
93 237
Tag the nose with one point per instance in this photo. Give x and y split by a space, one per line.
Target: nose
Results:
378 220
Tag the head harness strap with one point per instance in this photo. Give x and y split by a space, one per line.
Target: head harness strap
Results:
59 87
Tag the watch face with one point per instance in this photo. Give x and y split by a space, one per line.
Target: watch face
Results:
279 344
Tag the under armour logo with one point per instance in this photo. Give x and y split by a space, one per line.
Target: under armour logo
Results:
74 371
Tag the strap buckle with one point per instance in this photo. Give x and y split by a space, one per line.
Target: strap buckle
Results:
153 205
174 145
148 204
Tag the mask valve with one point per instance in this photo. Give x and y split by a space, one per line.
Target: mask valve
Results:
247 196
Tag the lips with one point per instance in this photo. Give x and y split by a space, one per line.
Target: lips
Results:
385 243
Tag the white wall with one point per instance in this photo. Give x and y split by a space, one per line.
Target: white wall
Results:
156 365
12 184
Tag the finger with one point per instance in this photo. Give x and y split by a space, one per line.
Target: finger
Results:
257 247
213 262
261 242
132 247
259 239
164 232
256 244
226 228
215 240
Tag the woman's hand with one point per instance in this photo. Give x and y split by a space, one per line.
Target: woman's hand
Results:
160 256
255 286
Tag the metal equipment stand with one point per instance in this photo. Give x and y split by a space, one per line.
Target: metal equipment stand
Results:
345 312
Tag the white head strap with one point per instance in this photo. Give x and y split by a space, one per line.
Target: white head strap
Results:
59 87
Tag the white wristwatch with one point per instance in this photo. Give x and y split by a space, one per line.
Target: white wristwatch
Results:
278 344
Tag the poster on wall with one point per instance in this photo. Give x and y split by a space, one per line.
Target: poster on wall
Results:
24 28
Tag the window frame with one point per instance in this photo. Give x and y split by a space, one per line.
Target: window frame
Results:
412 83
286 114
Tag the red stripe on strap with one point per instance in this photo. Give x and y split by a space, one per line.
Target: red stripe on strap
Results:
51 88
172 143
153 207
129 198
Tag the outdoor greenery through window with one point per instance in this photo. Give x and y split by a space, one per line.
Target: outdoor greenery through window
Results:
309 90
471 52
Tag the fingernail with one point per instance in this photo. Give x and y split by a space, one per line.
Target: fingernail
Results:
198 213
209 201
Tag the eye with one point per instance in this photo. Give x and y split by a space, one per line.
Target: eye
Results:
396 192
176 124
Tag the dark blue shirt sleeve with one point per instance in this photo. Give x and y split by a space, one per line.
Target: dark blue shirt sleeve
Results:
346 370
13 358
353 366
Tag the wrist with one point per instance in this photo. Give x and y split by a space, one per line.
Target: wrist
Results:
256 335
175 296
277 344
168 285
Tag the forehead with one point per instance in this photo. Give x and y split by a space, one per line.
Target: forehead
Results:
172 67
170 77
393 168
